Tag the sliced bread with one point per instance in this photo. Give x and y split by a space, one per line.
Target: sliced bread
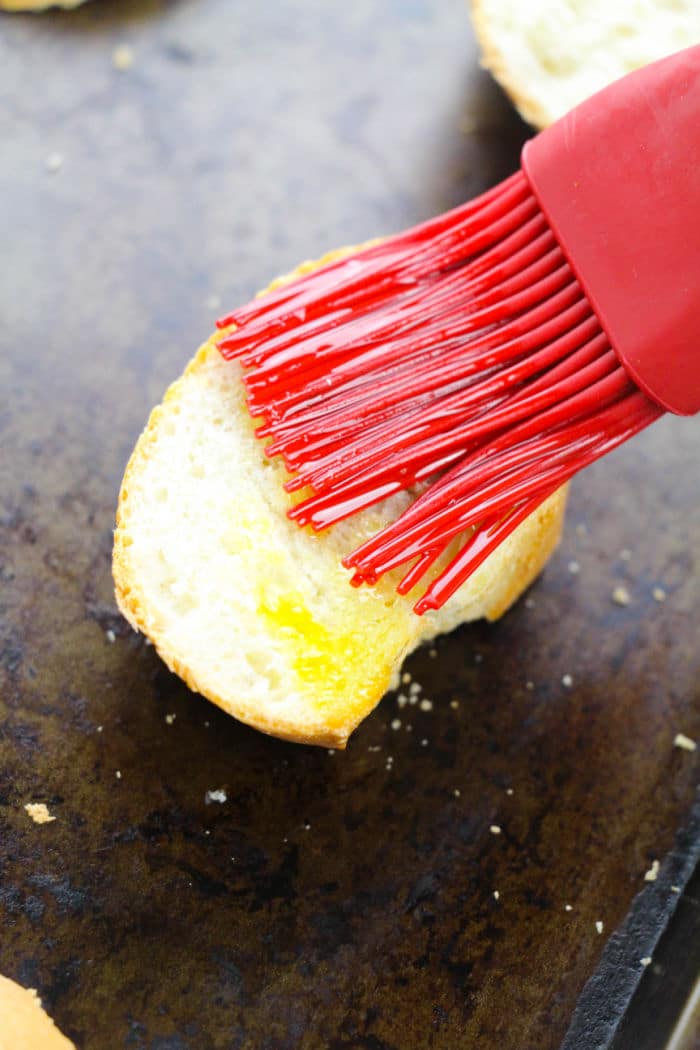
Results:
252 611
551 54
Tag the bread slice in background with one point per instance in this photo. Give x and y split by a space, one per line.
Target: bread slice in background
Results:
23 1023
252 611
549 55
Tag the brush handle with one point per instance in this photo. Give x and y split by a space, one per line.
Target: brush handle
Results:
618 179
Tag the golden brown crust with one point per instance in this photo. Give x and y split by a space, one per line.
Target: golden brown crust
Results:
23 1023
493 60
331 724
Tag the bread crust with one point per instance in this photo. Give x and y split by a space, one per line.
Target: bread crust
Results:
330 723
492 59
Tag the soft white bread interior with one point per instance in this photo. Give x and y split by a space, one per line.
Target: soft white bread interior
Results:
23 1023
252 611
551 54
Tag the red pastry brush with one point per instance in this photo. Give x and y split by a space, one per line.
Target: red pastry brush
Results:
488 355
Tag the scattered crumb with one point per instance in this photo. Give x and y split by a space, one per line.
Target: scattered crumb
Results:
454 704
675 889
307 826
402 699
170 719
122 58
568 907
413 699
426 705
598 926
651 875
658 594
118 774
54 162
213 302
495 829
529 603
39 812
529 686
424 742
331 750
206 725
374 747
409 728
147 641
574 568
396 724
415 688
685 743
218 795
621 596
625 554
509 791
110 636
478 657
100 728
496 895
567 681
432 653
405 678
646 960
456 792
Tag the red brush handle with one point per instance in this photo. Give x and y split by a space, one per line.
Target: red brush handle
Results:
619 181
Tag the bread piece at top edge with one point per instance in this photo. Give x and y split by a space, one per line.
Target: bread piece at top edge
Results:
252 611
549 55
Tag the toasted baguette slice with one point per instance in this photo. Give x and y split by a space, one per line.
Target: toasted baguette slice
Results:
551 54
252 611
23 1023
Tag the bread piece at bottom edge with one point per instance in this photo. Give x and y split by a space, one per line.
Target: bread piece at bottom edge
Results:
250 610
23 1023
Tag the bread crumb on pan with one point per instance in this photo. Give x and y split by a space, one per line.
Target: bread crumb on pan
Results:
621 596
652 874
122 58
39 812
685 743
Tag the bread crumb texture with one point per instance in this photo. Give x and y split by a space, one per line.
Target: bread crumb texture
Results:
23 1023
549 55
250 610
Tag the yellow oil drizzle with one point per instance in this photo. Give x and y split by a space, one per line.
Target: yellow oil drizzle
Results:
344 668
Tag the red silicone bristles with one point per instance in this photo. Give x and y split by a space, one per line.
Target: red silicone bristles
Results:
461 355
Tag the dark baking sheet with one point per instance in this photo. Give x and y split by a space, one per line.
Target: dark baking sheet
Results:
329 902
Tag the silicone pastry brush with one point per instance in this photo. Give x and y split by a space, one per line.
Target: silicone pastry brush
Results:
487 355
